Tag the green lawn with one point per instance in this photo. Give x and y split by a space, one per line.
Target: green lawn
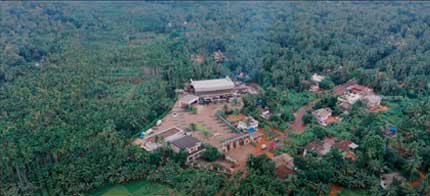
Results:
135 189
203 129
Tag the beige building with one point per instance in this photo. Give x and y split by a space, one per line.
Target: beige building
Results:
189 144
373 101
322 115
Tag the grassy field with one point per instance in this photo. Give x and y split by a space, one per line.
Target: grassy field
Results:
203 129
135 189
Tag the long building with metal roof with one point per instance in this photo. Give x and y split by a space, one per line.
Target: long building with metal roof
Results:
214 85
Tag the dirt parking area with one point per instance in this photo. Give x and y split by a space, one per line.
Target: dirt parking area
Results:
209 130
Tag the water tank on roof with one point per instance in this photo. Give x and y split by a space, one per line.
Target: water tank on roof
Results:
142 134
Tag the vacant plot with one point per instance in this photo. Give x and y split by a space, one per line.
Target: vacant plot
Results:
135 188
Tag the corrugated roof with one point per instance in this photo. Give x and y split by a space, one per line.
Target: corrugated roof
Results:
212 85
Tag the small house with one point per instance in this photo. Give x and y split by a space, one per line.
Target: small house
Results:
248 125
388 179
373 101
321 148
347 147
266 114
349 98
322 115
284 165
317 78
155 140
359 90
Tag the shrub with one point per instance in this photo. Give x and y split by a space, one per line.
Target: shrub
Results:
326 84
211 153
287 116
308 118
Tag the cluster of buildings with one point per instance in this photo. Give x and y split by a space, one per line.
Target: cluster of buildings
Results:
203 92
175 138
347 147
352 94
324 116
356 92
248 128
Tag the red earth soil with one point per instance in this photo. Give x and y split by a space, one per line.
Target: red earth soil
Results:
418 182
298 125
335 189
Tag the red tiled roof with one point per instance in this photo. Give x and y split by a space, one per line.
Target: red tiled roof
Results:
351 155
358 88
331 119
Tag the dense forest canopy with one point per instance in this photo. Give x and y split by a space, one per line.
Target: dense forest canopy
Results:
79 79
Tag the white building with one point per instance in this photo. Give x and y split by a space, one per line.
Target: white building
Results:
248 125
322 115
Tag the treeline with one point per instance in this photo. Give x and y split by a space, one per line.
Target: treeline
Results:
78 79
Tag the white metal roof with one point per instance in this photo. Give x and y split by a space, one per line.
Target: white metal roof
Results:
212 85
189 99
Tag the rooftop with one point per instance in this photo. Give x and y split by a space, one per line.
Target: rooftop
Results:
212 85
284 159
356 88
189 99
322 113
350 98
322 148
317 78
387 179
374 98
164 134
185 142
345 145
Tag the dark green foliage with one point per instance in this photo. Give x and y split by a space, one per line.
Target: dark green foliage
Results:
326 102
326 84
287 116
79 79
319 132
190 181
308 118
211 153
261 165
